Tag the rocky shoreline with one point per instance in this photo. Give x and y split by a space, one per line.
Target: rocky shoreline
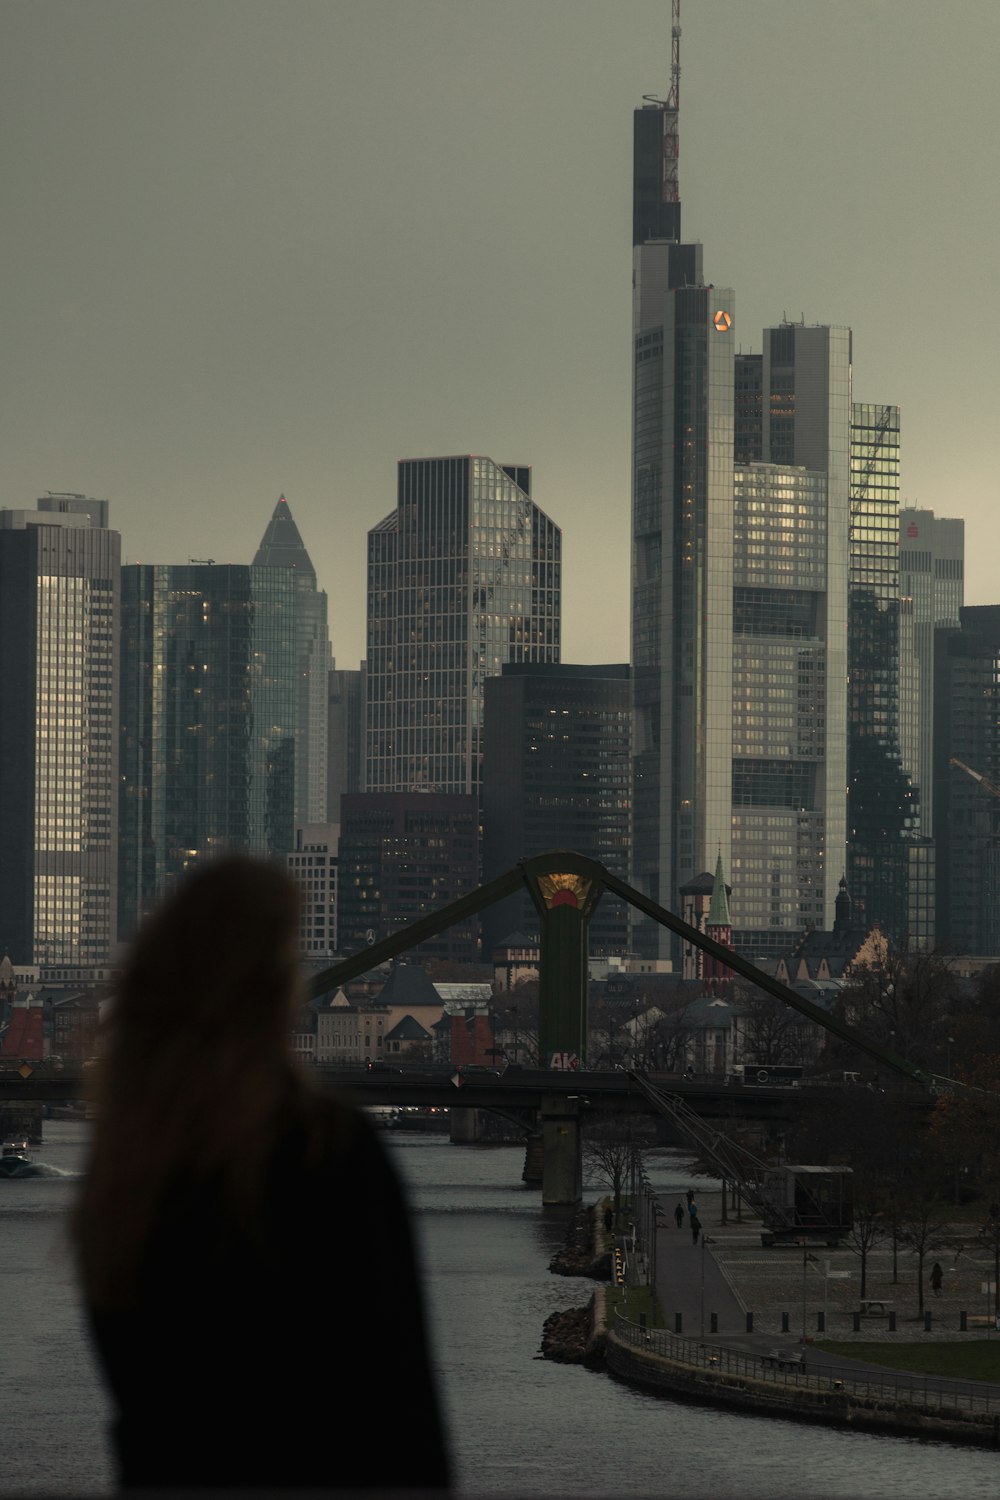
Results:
575 1336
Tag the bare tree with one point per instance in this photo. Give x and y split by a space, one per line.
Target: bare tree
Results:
868 1226
516 1032
772 1031
902 998
669 1040
611 1154
923 1229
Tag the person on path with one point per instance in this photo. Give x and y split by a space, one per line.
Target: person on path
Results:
695 1228
213 1163
679 1215
937 1276
689 1195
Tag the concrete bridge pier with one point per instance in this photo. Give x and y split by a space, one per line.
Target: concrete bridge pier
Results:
562 1167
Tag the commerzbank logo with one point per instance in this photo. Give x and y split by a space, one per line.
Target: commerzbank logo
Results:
723 322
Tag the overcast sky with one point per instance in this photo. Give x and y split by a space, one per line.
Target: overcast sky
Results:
253 247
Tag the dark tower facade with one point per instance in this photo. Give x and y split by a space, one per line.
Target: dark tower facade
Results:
556 772
682 559
884 847
209 709
967 806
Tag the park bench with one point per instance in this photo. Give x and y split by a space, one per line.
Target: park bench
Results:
776 1360
874 1306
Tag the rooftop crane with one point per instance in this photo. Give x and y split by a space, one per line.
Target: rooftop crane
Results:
984 781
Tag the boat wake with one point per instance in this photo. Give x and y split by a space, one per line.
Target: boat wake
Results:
36 1169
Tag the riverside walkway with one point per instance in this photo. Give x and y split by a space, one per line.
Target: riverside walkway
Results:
706 1292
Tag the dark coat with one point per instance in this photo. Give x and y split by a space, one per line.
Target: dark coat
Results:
295 1356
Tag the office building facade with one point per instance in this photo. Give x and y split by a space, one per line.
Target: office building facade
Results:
556 775
59 635
788 705
312 864
282 547
402 856
209 714
463 576
682 579
932 583
890 861
345 760
790 601
967 796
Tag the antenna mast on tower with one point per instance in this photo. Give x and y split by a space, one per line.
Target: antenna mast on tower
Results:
670 190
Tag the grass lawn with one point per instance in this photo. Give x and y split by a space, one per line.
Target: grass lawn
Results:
977 1360
638 1299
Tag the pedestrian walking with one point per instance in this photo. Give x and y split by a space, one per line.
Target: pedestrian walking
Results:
695 1228
690 1196
937 1276
679 1215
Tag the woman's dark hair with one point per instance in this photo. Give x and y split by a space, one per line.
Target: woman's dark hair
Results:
196 1075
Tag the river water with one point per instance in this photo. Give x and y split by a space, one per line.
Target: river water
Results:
520 1426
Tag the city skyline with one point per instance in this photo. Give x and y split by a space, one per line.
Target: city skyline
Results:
214 302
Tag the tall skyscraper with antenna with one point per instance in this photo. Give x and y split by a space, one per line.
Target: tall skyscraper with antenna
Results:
682 538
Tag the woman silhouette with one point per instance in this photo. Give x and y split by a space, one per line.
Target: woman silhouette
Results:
243 1242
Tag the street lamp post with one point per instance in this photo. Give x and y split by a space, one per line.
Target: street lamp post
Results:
704 1241
806 1258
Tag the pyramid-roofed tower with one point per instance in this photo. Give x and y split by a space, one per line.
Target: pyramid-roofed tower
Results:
718 911
282 546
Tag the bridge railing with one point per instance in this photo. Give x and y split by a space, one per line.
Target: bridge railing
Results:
717 1359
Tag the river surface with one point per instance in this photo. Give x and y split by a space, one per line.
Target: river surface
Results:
520 1426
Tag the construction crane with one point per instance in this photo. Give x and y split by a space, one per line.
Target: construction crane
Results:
984 781
796 1203
859 488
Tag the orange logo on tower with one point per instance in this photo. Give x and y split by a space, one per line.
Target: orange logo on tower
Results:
722 321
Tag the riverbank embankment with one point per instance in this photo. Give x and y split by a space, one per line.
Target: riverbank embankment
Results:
745 1311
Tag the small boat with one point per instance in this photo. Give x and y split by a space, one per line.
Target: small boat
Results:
15 1159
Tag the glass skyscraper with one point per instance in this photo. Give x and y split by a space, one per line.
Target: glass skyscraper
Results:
463 576
932 578
884 838
791 517
786 694
682 559
59 625
967 812
282 547
209 712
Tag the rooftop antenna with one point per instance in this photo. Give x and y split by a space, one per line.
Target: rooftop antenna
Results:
670 189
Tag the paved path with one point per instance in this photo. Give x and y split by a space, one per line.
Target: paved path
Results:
690 1281
729 1273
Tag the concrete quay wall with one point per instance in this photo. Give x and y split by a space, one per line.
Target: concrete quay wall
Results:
653 1371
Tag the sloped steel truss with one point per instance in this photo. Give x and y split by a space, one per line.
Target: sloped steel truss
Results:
562 881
